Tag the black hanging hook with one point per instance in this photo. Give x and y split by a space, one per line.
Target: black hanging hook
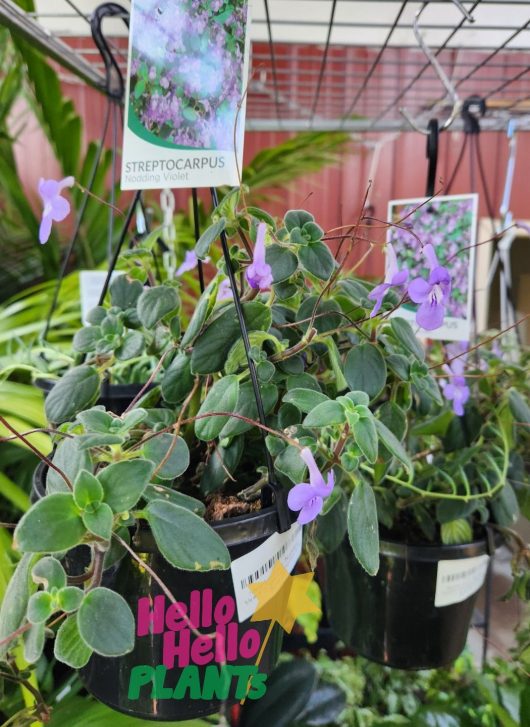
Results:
473 109
433 136
113 74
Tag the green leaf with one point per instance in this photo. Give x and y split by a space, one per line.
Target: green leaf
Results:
393 444
290 464
237 356
436 426
159 492
106 623
305 399
132 345
317 259
85 339
69 647
332 523
519 407
99 522
70 459
208 237
336 364
365 370
282 261
186 540
124 293
400 365
87 441
177 381
87 490
213 345
404 333
49 573
365 435
178 461
246 406
52 525
95 420
78 389
69 598
201 312
156 303
324 707
40 607
296 218
34 642
15 602
222 397
456 531
325 414
363 527
124 482
505 507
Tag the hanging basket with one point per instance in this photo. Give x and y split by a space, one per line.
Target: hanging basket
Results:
173 673
416 612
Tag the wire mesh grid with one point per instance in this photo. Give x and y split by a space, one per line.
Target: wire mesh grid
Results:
350 64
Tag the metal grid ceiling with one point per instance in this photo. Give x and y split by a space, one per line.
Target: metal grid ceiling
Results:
350 64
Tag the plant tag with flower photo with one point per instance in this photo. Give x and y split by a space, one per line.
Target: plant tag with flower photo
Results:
185 97
255 567
434 241
456 580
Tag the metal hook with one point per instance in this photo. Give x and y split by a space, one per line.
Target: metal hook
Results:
451 90
115 83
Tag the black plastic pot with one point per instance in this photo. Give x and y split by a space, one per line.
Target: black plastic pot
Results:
391 618
114 397
110 679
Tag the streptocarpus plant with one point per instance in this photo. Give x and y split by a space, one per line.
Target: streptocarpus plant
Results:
349 393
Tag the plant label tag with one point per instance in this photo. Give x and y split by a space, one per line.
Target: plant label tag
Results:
256 566
91 284
449 224
185 97
456 580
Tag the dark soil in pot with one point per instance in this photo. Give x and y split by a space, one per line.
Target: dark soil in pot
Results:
416 612
114 397
172 674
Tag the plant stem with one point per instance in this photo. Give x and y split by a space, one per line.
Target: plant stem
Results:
39 454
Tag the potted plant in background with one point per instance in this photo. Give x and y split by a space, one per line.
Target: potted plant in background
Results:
336 384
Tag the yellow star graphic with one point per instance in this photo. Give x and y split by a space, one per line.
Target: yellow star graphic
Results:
282 597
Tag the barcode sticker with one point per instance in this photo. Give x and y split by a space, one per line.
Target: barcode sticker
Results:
256 566
456 580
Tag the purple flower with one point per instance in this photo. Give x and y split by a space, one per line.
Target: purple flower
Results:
393 276
432 294
456 390
56 208
190 263
259 273
309 497
224 291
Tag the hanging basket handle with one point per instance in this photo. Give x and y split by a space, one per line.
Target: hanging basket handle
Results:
115 85
272 492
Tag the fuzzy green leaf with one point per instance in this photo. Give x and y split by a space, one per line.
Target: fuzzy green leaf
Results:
69 647
222 397
49 573
99 521
106 623
52 525
363 527
124 482
208 237
365 370
157 448
40 607
87 490
156 303
186 540
325 414
77 390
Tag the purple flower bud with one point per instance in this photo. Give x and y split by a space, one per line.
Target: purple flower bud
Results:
259 273
393 277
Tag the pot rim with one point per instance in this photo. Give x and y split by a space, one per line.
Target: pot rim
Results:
439 551
236 530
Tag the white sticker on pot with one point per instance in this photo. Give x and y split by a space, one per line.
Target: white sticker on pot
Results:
456 580
255 566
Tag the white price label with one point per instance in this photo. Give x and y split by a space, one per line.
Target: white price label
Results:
255 566
456 580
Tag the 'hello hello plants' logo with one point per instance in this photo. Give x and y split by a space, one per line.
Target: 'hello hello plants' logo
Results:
206 653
